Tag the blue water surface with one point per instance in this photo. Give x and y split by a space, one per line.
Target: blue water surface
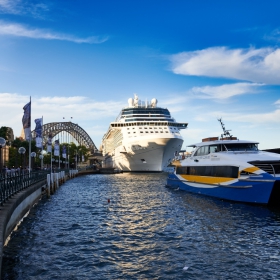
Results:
131 226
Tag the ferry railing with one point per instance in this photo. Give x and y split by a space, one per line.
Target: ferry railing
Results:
270 168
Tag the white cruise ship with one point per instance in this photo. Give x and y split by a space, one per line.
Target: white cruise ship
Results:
144 138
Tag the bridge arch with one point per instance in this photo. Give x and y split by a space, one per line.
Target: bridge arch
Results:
78 133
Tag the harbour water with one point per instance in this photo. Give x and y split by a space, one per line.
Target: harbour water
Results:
131 226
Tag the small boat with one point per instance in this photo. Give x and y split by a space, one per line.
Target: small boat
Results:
231 169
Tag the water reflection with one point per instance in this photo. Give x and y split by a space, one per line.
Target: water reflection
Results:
146 231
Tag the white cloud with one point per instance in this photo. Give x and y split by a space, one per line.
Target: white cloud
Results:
86 112
14 29
277 103
9 6
255 119
19 7
273 36
174 104
255 65
224 91
193 134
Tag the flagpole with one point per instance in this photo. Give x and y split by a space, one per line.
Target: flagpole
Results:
29 167
42 145
51 163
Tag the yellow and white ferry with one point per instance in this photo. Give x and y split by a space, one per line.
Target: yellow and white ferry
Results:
231 169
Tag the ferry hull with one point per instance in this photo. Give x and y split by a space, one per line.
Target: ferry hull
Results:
246 191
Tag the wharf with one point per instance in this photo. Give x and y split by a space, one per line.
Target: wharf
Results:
110 170
99 171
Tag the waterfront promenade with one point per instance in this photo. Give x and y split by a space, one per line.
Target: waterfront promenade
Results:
19 191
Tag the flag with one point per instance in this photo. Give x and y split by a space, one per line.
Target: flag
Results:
38 131
26 120
49 144
64 151
56 148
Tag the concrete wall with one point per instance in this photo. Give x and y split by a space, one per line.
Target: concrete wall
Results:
15 209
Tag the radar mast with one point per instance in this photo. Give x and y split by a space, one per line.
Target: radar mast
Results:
226 132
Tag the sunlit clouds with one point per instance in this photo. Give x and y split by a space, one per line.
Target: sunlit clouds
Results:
78 109
19 30
254 65
224 91
19 7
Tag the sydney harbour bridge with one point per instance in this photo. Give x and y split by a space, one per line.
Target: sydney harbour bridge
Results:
68 132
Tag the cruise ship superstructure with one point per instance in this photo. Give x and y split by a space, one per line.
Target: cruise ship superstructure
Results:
144 138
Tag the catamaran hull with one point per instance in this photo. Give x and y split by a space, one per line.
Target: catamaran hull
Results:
246 191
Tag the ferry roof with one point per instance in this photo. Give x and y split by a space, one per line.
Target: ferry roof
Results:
207 143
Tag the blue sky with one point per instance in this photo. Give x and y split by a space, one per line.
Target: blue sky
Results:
202 60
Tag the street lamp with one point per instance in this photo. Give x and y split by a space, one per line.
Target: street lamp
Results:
2 144
33 155
41 158
22 151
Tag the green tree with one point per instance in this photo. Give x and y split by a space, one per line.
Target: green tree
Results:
15 159
4 132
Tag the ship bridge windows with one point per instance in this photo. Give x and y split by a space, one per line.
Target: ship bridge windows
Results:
148 119
241 147
158 123
135 111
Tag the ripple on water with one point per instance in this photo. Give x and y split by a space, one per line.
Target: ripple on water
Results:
147 231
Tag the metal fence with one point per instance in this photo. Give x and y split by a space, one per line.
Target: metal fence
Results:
14 182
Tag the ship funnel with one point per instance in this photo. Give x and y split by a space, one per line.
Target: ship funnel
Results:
130 102
154 102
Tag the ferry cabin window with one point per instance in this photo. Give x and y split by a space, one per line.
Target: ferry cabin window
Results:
241 147
211 171
214 148
202 151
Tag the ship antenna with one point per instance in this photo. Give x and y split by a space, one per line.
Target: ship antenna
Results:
226 132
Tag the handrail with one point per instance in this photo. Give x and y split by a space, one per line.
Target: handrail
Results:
273 169
12 183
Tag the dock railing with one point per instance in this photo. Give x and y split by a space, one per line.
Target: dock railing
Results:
14 182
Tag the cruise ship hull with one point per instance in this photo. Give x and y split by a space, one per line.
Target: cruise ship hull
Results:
150 155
